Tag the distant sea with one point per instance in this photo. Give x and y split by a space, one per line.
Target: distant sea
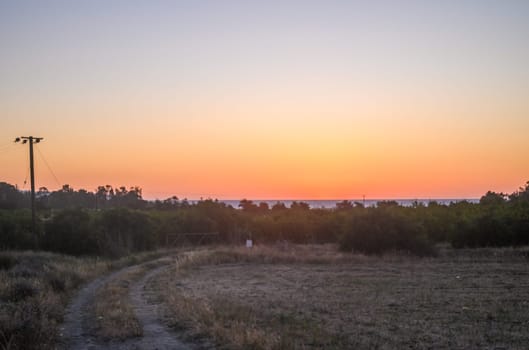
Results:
331 203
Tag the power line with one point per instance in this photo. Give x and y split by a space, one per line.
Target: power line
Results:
25 179
49 167
6 148
6 144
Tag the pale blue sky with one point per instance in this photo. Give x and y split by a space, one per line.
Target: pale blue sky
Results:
71 47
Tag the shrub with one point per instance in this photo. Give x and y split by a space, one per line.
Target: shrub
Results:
383 230
7 262
492 229
15 230
122 231
20 290
70 232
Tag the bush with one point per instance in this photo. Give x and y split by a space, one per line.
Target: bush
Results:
123 231
7 262
379 231
20 290
15 230
491 230
70 232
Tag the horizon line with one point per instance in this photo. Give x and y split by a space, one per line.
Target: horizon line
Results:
324 200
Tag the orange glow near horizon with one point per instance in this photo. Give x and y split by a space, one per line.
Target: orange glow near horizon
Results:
270 156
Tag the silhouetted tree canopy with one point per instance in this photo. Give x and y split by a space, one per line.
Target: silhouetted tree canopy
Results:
116 221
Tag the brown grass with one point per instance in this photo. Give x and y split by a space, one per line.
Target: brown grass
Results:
310 297
114 316
113 313
35 288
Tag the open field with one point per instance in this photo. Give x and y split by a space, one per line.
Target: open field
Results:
269 297
262 299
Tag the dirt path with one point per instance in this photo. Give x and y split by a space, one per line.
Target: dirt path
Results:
74 331
77 333
155 334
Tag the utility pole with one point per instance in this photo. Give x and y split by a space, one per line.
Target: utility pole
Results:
31 140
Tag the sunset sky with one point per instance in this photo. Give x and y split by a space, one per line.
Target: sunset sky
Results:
268 99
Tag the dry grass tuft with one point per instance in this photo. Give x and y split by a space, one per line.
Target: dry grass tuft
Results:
215 319
270 254
236 326
34 289
114 316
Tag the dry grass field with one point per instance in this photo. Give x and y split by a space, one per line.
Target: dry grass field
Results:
113 316
35 288
270 297
312 297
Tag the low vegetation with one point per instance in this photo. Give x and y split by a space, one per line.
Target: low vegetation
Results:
297 299
127 224
114 317
283 296
35 288
383 230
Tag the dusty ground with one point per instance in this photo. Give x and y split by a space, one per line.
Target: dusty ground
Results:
461 300
281 297
117 312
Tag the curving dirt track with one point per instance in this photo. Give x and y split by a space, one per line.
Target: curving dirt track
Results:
77 331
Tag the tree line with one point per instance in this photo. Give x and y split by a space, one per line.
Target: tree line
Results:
118 221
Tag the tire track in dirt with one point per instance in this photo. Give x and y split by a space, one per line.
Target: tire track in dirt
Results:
155 334
77 333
